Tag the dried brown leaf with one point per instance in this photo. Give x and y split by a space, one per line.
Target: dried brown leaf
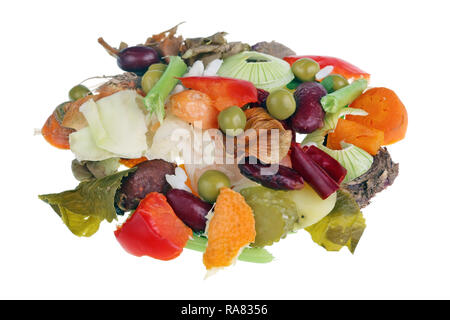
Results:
111 50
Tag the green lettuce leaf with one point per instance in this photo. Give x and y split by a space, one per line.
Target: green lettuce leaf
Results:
84 208
344 225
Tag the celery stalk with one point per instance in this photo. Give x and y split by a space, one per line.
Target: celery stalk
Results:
255 255
156 97
338 99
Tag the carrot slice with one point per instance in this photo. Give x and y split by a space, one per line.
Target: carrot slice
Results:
188 181
55 134
386 113
130 163
366 138
231 228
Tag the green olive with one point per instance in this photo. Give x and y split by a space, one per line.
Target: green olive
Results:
232 121
281 104
305 69
149 79
210 183
78 92
157 66
334 82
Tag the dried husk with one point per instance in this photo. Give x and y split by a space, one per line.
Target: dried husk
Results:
273 48
381 175
166 43
210 48
257 138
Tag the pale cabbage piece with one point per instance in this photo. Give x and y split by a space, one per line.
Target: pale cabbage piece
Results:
84 147
118 124
198 69
178 180
212 68
170 140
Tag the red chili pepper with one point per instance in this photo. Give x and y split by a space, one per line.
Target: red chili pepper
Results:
342 67
284 179
331 166
153 230
225 92
316 177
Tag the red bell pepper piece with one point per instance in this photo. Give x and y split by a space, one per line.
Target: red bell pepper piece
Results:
225 92
331 166
316 177
153 230
342 67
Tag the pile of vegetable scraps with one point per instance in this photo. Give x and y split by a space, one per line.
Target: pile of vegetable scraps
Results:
224 148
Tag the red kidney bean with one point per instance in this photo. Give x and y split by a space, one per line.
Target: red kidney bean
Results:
309 114
331 166
189 208
284 179
316 177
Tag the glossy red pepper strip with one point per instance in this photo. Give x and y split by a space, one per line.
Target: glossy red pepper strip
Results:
314 175
331 166
225 92
153 230
342 67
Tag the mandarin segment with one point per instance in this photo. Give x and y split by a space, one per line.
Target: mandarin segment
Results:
231 228
194 106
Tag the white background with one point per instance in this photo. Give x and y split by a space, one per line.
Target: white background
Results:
49 46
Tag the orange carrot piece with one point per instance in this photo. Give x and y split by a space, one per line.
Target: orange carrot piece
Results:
130 163
386 113
368 139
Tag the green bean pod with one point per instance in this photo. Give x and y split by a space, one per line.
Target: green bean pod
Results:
338 99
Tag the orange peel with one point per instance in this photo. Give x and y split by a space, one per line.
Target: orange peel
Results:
231 228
